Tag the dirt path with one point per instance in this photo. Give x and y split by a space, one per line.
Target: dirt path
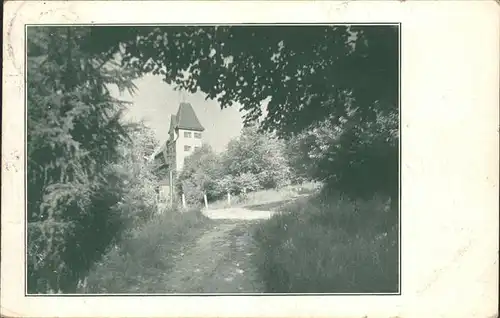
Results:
220 261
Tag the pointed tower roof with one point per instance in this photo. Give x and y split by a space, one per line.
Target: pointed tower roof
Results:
186 118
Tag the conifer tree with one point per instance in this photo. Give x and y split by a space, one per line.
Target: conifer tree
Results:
74 129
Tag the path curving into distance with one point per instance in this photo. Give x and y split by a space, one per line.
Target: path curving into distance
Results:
221 259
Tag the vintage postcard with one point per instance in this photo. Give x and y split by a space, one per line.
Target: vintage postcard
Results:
250 159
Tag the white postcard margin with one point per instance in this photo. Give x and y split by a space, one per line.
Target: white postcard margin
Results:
450 146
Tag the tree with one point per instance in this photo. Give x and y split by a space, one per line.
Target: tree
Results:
309 74
358 159
253 161
258 154
317 68
138 201
199 175
74 130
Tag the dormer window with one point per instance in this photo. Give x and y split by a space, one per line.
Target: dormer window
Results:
197 135
187 134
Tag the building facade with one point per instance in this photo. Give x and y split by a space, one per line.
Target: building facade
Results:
185 136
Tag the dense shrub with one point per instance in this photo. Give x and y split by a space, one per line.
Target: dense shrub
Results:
257 155
247 182
138 183
330 244
359 158
199 175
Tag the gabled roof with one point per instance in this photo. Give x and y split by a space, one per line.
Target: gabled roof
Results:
186 118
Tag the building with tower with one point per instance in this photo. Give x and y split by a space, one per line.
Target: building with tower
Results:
185 136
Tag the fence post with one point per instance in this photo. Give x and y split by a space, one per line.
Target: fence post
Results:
183 201
205 199
171 190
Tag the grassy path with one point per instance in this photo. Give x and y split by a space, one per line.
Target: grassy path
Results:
219 262
182 254
187 253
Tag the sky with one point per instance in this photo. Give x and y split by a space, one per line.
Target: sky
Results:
155 100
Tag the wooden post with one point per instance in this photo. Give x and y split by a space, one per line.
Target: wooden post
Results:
206 201
244 196
183 201
171 194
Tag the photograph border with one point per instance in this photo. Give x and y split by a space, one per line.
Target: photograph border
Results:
400 283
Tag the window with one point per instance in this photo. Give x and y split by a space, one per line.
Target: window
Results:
196 147
197 135
187 134
187 148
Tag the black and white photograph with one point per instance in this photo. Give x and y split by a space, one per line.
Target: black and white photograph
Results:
303 159
212 159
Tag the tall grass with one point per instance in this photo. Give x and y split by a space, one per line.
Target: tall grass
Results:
145 254
329 243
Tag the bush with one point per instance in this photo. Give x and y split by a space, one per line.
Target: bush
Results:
251 162
147 253
199 176
330 244
359 158
135 178
246 182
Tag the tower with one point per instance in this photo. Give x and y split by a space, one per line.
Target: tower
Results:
186 135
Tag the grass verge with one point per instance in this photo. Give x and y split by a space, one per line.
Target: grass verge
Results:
330 244
146 254
260 197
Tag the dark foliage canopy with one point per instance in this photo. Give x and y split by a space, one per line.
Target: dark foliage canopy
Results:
308 73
